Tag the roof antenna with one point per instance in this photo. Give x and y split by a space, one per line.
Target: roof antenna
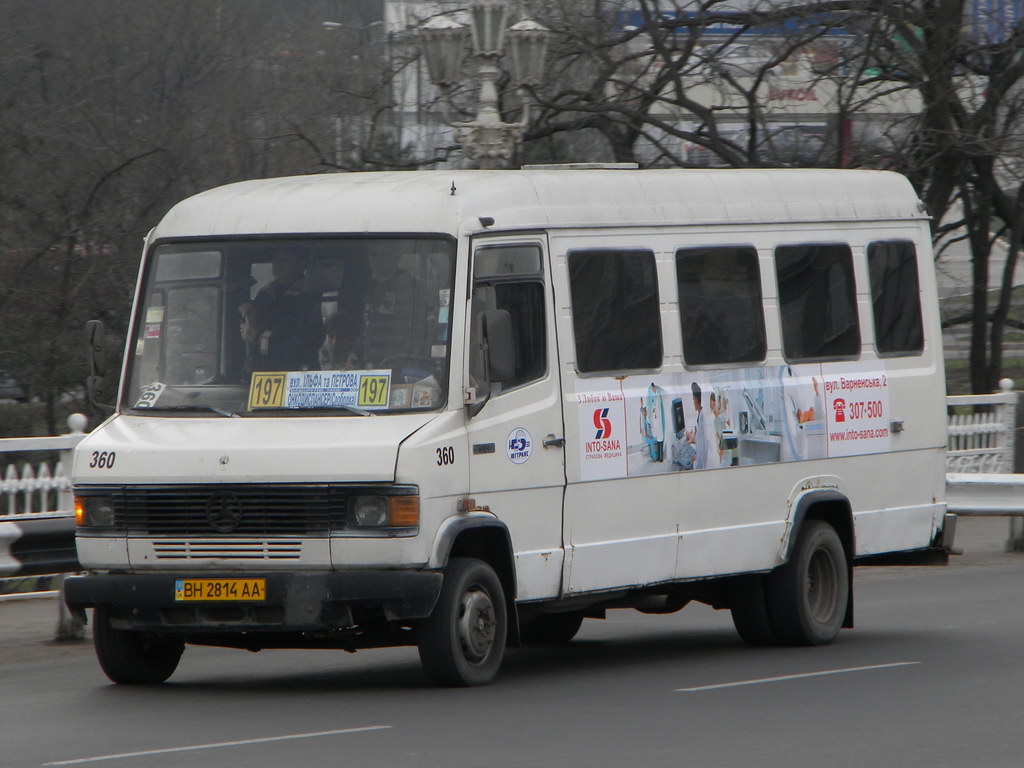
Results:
453 187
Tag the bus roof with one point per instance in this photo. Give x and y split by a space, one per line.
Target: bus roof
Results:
454 202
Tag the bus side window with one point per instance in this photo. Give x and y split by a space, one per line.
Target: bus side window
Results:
817 302
720 307
511 277
616 315
895 297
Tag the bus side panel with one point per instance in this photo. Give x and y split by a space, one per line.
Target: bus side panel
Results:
715 457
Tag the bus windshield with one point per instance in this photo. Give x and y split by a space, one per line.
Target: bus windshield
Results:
293 326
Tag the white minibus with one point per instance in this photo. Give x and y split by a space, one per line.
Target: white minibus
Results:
464 410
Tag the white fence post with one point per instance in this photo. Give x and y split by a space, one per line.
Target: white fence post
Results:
983 441
33 486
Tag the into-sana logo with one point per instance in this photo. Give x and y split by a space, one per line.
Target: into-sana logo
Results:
603 424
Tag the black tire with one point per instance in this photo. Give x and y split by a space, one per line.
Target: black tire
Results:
807 597
749 608
463 641
134 657
551 628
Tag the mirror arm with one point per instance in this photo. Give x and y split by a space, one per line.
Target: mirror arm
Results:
478 403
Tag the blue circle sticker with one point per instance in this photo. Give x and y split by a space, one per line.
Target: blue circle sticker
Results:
519 445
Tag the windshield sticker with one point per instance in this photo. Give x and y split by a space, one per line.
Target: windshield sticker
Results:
366 390
401 396
519 446
426 393
150 394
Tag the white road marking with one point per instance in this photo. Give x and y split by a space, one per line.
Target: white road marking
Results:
219 745
781 678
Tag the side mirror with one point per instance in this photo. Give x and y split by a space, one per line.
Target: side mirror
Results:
96 337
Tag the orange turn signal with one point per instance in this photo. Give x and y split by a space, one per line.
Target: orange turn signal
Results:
79 511
405 511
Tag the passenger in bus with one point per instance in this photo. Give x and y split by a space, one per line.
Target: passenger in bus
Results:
281 326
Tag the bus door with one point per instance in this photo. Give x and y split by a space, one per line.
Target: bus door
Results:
517 457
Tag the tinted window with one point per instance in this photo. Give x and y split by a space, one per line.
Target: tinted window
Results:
615 311
817 302
895 297
510 278
720 305
507 261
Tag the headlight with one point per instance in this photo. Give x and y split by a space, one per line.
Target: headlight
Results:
384 511
94 511
370 511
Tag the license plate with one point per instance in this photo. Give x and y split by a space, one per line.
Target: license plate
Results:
218 590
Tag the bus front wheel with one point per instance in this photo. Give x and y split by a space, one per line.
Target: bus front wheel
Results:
134 657
462 643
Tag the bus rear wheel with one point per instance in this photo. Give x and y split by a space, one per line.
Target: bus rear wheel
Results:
807 597
130 657
749 608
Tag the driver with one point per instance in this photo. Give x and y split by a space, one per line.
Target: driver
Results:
397 312
281 327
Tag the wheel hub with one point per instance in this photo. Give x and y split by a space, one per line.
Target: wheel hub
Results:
477 624
822 582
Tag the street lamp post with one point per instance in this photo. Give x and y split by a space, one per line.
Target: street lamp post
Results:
487 141
366 39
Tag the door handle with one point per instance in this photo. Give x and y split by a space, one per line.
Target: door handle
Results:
554 442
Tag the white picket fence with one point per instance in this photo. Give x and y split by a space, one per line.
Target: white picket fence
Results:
980 459
982 431
36 487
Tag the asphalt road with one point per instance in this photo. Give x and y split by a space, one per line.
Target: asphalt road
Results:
933 675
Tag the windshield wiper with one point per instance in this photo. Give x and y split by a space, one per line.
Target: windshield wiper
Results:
312 411
196 407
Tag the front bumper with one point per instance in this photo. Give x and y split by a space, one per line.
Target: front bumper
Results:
295 602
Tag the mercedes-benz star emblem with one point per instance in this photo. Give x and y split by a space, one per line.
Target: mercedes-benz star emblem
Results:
224 511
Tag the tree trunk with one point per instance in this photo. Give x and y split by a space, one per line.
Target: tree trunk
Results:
978 219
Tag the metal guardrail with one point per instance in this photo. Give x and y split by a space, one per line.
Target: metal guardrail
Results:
36 545
984 494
